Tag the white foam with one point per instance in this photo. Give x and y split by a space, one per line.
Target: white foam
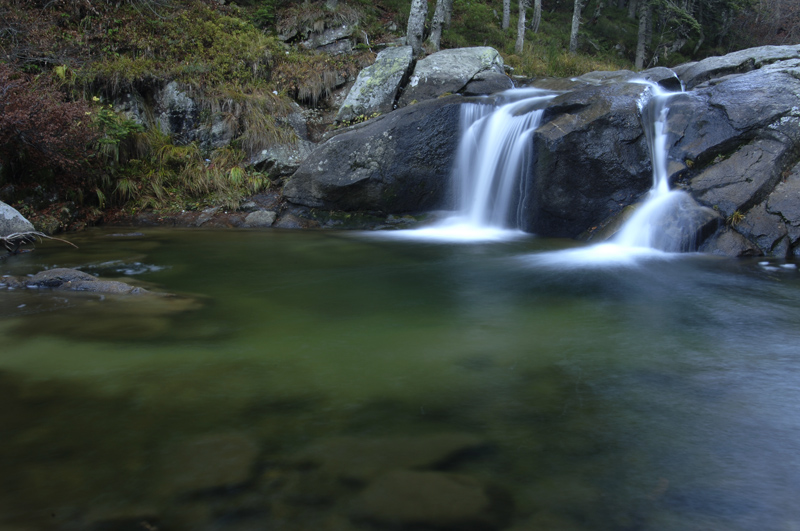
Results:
602 255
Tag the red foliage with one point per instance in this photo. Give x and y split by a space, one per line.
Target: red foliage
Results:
41 132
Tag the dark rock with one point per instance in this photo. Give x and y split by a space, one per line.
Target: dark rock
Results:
209 462
728 242
74 280
743 179
294 221
664 77
735 63
330 40
396 163
53 278
176 112
763 228
260 218
591 146
123 518
476 70
281 160
784 201
432 500
133 107
110 287
360 459
376 88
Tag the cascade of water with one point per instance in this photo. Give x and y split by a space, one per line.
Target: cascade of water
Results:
493 154
662 207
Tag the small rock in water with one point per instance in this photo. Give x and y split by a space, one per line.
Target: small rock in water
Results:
360 459
435 500
210 462
789 266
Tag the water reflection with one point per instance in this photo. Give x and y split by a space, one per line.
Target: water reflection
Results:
322 380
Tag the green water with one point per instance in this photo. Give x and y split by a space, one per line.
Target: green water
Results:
658 395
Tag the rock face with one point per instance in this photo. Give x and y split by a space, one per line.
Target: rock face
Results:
591 160
693 74
11 221
376 88
177 113
399 162
736 148
733 146
468 71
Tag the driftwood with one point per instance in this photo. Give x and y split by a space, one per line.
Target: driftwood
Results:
13 241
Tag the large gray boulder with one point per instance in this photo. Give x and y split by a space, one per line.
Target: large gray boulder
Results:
732 144
468 71
12 222
398 162
735 142
693 74
591 160
376 88
13 227
281 160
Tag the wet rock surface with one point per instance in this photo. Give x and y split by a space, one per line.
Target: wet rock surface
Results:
63 279
395 163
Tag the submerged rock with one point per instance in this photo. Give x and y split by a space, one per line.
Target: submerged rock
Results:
209 462
360 459
64 279
432 500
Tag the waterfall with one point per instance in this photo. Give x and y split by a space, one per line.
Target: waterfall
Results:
494 154
662 221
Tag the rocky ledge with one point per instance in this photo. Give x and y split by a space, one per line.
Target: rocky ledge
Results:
733 145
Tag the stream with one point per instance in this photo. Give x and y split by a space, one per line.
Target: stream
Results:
657 393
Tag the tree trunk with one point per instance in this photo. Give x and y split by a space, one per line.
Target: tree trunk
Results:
506 13
448 13
523 5
439 17
537 15
643 37
598 11
576 24
632 5
416 25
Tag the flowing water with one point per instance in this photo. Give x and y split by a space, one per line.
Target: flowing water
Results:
362 381
660 395
493 154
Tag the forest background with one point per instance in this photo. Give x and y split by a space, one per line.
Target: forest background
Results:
68 157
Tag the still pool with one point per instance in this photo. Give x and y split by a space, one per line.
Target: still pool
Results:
348 381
